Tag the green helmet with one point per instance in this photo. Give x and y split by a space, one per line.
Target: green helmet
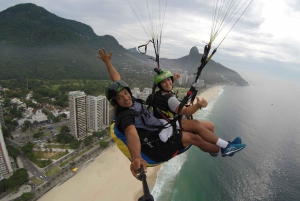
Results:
164 74
113 89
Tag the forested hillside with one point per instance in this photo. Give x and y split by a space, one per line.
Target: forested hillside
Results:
37 44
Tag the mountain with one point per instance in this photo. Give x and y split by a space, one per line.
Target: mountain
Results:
38 44
212 73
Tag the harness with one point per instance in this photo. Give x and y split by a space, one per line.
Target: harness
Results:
161 109
160 102
153 150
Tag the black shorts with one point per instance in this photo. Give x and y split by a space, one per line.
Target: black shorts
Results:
160 151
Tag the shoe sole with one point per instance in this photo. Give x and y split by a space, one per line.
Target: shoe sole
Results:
213 154
233 152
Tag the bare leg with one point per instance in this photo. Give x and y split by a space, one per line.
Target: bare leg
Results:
208 125
192 139
200 128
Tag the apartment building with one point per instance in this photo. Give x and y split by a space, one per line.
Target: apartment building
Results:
5 164
1 115
78 120
98 112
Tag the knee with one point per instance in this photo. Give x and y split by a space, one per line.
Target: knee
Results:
191 139
204 145
210 126
198 141
200 125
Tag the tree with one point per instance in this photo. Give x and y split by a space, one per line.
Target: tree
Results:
19 112
99 134
23 129
13 151
7 120
35 123
18 178
74 144
27 123
10 127
65 129
27 196
6 102
103 143
38 134
63 115
6 132
88 140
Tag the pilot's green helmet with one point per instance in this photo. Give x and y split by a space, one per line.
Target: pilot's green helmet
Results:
164 74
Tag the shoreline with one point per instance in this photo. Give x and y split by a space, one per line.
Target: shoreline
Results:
109 177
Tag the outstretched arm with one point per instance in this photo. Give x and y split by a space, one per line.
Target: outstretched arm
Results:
134 146
106 58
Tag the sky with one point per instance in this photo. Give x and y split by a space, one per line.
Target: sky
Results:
264 40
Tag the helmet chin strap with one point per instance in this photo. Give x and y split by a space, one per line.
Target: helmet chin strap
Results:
162 89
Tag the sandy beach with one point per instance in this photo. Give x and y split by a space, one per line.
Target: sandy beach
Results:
108 177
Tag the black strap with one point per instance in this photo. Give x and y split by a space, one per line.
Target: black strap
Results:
192 92
145 45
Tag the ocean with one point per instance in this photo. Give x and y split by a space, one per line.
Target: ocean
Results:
266 115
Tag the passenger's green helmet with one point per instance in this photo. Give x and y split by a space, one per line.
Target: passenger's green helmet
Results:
164 74
113 89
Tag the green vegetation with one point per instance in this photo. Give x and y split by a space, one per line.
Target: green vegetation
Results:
99 134
36 181
65 163
38 134
44 158
57 49
35 156
58 146
88 140
103 143
53 171
25 196
19 177
69 51
13 151
66 138
73 157
58 155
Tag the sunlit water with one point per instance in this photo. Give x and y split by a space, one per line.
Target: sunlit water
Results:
266 115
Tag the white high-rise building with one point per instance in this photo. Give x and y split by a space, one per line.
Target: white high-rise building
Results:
5 165
111 113
77 108
98 115
200 83
1 115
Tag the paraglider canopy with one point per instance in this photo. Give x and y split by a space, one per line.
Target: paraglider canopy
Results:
226 13
151 15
